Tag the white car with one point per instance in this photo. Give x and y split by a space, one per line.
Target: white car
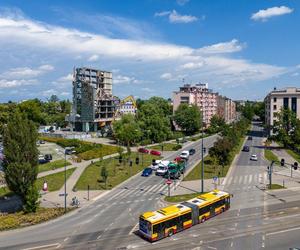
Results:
253 158
184 155
162 170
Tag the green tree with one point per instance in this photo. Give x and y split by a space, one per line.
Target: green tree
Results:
216 124
127 130
284 126
21 158
104 174
32 109
188 118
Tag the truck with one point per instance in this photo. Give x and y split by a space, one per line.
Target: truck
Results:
175 169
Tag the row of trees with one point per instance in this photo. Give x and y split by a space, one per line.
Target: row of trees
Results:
154 122
231 135
51 112
286 128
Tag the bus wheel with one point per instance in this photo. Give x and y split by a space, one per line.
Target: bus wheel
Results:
170 233
222 210
203 219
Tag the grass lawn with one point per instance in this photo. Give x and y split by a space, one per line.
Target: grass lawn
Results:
182 197
211 169
275 186
98 152
4 191
19 219
52 165
117 172
293 154
270 156
55 181
167 147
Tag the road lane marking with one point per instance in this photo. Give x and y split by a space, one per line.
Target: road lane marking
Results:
231 244
283 231
250 178
241 179
43 246
133 229
245 179
66 239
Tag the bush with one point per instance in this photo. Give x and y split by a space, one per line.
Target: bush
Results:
146 142
177 147
31 200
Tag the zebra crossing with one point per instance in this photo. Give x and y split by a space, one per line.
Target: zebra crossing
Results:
256 178
138 191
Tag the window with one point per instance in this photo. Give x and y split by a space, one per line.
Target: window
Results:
274 107
275 99
204 210
294 104
285 102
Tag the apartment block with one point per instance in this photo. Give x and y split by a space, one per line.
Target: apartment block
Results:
93 103
199 95
278 99
226 108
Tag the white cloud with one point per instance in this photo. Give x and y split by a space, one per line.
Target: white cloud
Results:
175 17
93 58
226 47
166 76
263 15
163 13
193 65
182 2
295 74
118 79
4 83
67 78
26 72
146 89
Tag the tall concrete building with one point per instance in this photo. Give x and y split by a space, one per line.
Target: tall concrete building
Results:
277 99
199 95
226 108
93 103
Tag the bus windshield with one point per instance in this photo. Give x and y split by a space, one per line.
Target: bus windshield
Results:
145 226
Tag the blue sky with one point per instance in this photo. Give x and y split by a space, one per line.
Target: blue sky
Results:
242 49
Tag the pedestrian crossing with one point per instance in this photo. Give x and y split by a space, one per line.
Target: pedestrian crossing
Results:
256 178
139 191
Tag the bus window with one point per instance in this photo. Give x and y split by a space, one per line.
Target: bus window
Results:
204 210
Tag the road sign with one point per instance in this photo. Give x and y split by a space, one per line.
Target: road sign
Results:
215 178
168 182
62 194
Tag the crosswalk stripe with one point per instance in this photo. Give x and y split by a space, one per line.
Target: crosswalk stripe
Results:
241 179
150 189
230 179
245 179
116 194
250 178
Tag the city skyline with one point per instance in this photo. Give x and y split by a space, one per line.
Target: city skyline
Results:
241 50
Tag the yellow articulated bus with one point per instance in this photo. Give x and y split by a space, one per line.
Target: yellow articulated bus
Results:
170 220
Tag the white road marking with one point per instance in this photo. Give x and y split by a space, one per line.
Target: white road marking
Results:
43 246
283 231
250 178
133 229
66 239
231 244
245 179
241 179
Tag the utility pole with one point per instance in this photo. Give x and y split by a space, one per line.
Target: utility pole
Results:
65 181
202 162
270 174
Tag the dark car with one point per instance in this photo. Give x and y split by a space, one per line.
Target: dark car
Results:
155 152
48 157
43 161
147 172
143 150
249 137
41 141
246 149
192 151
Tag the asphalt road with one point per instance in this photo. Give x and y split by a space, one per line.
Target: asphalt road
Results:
253 222
113 215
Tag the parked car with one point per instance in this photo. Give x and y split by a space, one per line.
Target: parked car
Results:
42 159
192 151
155 152
147 172
253 158
246 149
162 170
41 141
249 137
48 157
184 155
69 151
143 150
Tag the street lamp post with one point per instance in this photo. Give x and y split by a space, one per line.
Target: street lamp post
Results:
65 181
202 162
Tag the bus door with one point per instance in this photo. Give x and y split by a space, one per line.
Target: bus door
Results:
212 210
227 203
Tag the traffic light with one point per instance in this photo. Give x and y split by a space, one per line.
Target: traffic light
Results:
137 160
130 163
204 150
282 162
153 161
120 159
295 165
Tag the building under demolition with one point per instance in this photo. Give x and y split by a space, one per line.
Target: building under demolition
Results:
93 103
